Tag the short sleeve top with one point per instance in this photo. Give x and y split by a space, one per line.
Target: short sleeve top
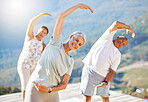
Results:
53 63
103 54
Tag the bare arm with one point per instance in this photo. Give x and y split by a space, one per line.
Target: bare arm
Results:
43 46
59 24
31 24
120 25
108 78
62 86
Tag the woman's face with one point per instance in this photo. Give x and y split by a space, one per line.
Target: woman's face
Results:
75 42
42 32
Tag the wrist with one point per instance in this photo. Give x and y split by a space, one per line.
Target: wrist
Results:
106 82
49 90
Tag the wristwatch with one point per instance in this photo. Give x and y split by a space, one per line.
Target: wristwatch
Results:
105 82
50 90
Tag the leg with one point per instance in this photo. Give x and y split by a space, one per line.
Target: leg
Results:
87 82
23 95
86 98
24 77
105 99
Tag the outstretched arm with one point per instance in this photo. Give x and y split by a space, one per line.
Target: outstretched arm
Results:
31 24
120 25
59 24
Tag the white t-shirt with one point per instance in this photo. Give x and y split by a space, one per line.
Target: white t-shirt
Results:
103 54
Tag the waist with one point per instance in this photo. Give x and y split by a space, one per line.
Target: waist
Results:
101 71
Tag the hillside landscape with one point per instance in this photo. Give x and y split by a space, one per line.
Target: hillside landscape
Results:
131 12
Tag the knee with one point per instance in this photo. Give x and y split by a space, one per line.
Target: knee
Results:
105 99
86 98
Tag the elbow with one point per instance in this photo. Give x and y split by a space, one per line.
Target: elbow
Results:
61 15
64 87
116 22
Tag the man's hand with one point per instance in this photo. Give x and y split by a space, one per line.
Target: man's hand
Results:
100 85
40 87
130 31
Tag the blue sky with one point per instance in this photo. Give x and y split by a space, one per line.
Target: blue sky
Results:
16 14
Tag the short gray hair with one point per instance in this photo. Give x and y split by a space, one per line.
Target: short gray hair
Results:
80 34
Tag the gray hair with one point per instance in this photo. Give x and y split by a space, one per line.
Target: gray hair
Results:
80 34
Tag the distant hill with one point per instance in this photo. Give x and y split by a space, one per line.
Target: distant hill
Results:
105 12
136 50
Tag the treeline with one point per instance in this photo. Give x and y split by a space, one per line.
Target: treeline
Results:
8 90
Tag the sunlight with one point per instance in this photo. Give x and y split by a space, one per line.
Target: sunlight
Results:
17 5
13 11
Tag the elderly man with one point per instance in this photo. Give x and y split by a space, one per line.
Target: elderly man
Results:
102 61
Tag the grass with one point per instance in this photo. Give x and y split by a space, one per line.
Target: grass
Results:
137 77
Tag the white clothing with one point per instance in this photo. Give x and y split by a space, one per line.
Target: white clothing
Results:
28 60
53 63
103 54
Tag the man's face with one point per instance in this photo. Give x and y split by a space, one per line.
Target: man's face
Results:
76 42
120 42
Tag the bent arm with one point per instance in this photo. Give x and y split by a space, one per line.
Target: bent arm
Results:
62 86
59 24
31 24
110 75
108 78
43 46
120 25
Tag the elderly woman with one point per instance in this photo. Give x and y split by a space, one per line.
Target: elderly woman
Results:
33 47
54 62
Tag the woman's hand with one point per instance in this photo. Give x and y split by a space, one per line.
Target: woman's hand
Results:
83 6
41 87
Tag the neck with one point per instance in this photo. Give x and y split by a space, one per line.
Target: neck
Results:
38 37
66 48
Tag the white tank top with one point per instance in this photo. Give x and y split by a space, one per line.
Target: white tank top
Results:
30 54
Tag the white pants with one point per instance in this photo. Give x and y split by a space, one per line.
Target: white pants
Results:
32 95
24 76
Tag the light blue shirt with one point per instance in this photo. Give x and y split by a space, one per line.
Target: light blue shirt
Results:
53 63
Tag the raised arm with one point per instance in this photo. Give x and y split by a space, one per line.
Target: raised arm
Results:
31 24
120 25
59 24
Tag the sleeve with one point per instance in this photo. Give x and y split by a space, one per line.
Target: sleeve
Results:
108 34
116 62
70 68
57 41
